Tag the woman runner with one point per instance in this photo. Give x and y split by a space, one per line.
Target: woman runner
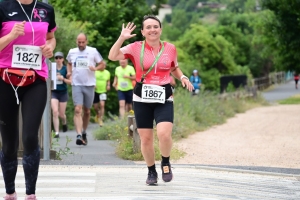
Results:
153 60
26 40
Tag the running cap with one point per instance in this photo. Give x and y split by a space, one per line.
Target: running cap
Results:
60 54
195 71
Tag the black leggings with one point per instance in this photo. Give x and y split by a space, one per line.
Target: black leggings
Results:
33 101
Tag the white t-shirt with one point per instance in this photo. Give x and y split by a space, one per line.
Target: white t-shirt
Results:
81 60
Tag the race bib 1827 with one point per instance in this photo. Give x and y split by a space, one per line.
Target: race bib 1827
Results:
153 93
27 56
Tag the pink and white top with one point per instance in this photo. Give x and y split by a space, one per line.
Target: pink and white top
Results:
43 21
160 74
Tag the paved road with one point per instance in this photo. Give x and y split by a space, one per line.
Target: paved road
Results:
128 183
97 152
281 92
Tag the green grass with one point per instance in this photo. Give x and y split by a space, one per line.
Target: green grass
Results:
191 114
291 100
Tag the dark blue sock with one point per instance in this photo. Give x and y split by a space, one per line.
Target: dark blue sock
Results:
9 171
31 169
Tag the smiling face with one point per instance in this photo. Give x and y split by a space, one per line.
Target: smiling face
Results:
151 29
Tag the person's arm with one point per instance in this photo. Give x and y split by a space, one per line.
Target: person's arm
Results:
17 30
132 77
108 85
99 66
115 53
49 46
69 70
67 81
132 74
177 73
115 83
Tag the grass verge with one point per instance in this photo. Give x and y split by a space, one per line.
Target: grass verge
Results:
191 114
291 100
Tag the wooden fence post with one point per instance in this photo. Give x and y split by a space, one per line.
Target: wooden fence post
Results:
132 132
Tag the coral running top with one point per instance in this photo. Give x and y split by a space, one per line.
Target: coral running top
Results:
160 74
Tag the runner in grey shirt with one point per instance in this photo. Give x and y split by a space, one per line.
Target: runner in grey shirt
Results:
83 61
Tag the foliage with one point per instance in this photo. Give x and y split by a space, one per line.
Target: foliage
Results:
285 29
68 30
65 151
291 100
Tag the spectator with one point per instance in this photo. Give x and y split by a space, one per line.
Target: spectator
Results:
196 81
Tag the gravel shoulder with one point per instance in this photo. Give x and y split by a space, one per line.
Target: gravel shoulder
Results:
265 137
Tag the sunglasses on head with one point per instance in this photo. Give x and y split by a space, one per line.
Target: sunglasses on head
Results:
58 57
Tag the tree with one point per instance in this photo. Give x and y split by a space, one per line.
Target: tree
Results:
102 21
285 29
211 53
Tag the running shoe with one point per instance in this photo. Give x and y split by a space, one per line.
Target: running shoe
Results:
84 138
10 197
100 122
152 178
96 119
79 140
167 174
65 127
56 135
30 197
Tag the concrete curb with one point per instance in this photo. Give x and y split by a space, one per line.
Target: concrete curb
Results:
221 169
244 171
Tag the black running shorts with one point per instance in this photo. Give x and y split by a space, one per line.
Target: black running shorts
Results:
145 113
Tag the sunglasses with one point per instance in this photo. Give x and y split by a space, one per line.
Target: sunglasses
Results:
58 58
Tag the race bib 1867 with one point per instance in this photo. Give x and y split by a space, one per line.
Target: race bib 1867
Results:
27 56
153 94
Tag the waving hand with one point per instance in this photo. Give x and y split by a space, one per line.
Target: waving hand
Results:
126 31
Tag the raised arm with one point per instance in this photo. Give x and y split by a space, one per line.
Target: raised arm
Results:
115 53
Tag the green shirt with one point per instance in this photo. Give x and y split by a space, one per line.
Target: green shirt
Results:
101 80
124 84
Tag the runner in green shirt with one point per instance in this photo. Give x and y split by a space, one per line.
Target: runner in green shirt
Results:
124 75
102 86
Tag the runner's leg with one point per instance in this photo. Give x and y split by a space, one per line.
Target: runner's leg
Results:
9 129
77 95
55 113
102 110
62 112
33 105
88 92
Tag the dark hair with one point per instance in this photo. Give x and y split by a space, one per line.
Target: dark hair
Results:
150 17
